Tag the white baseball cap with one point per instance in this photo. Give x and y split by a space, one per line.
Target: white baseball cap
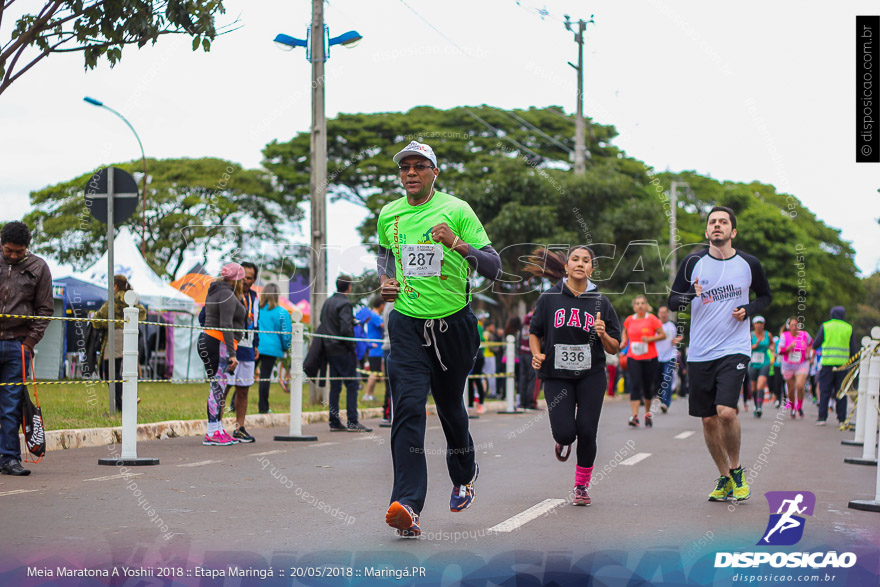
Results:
417 148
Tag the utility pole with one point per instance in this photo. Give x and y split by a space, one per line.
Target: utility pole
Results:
673 229
318 179
580 147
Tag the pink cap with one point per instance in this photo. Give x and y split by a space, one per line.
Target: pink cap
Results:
232 271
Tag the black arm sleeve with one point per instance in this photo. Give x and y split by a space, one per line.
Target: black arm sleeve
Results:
854 345
538 323
485 261
760 286
820 338
612 322
385 263
682 289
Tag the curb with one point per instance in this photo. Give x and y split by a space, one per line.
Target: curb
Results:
92 437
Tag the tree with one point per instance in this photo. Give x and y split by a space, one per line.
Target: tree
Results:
867 314
509 165
100 28
809 267
193 206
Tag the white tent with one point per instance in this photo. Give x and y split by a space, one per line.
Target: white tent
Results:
157 295
154 292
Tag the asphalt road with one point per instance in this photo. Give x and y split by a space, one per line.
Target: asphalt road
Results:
267 503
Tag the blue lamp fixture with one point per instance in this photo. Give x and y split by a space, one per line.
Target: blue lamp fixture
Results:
288 43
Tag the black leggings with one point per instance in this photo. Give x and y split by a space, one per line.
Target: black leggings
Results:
575 406
477 383
267 363
642 374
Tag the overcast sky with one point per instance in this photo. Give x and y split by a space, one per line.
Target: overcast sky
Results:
751 91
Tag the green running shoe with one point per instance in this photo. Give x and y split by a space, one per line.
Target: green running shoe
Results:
723 489
741 491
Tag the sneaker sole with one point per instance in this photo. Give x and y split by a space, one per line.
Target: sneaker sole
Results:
461 509
246 441
398 518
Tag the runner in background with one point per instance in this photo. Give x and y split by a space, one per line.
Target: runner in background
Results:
375 328
476 386
666 356
777 381
641 331
796 350
759 366
572 328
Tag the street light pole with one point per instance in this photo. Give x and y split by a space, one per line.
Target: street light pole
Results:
318 157
100 104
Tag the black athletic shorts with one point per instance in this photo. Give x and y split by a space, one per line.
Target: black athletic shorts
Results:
375 364
715 383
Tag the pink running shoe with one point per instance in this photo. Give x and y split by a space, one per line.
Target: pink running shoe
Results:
217 439
229 439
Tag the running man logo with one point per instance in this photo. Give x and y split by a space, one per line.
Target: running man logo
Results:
786 527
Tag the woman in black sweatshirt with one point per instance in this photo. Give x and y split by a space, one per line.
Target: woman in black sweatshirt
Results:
223 309
572 328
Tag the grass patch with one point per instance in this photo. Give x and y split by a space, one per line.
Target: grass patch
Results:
86 405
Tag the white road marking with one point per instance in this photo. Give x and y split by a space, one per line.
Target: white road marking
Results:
16 491
684 435
433 428
198 464
268 452
323 444
109 477
511 524
636 458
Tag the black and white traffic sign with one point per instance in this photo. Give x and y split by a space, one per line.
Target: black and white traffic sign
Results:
125 191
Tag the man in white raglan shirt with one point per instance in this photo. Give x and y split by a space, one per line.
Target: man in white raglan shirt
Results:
718 280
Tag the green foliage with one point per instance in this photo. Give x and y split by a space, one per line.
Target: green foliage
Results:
101 28
511 174
867 314
193 206
809 267
511 167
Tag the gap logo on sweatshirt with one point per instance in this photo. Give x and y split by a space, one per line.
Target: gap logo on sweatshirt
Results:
574 318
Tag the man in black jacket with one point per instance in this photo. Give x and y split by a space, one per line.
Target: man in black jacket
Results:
337 317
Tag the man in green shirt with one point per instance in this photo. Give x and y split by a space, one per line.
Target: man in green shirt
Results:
427 242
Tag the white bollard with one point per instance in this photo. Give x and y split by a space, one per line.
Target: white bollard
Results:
296 383
510 391
874 390
129 387
862 401
869 454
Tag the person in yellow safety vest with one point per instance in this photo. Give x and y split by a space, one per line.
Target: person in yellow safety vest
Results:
838 344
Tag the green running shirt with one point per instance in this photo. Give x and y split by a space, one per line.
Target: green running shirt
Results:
423 292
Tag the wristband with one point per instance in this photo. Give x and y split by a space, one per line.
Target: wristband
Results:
454 243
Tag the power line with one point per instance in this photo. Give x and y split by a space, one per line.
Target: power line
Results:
435 29
538 130
541 12
505 136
